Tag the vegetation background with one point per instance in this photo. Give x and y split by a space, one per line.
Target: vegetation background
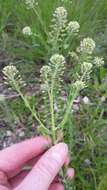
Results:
87 133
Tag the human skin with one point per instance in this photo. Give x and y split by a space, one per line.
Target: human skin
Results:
44 164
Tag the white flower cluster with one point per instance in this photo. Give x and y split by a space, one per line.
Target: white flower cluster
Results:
55 68
10 71
11 75
58 26
57 62
79 85
45 72
98 61
73 27
30 3
61 30
45 69
57 59
60 16
87 46
27 31
86 67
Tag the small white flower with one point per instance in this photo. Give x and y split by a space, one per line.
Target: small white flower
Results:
60 15
30 3
10 71
98 61
86 67
61 12
11 74
27 31
58 26
57 62
73 27
45 70
79 85
45 73
87 46
103 99
57 59
45 76
86 100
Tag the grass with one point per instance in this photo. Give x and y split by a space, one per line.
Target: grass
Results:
86 133
88 147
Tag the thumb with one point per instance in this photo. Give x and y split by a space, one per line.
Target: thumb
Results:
46 169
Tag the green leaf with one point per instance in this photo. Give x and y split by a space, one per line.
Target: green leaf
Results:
103 183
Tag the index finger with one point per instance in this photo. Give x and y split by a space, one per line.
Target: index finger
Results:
13 158
45 170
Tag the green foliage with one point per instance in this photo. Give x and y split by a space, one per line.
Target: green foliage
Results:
91 16
62 82
103 183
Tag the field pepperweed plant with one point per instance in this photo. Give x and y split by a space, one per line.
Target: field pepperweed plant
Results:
56 111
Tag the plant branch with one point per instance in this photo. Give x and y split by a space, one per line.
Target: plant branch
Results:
34 114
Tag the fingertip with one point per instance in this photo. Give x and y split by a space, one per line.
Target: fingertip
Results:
22 152
47 167
46 141
63 148
70 173
59 152
67 161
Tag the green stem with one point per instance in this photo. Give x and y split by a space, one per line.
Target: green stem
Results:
51 99
17 88
52 118
52 106
52 115
69 105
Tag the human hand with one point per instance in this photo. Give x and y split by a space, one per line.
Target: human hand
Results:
45 165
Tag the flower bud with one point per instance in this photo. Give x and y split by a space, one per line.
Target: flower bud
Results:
87 46
27 31
73 27
98 61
